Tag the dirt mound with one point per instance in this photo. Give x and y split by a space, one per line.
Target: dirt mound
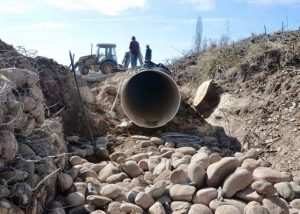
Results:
260 76
57 86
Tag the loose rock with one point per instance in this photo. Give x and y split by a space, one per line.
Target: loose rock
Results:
205 196
264 187
144 200
111 191
130 208
199 208
157 190
179 177
180 207
275 205
98 201
196 174
180 192
217 172
285 190
236 182
132 169
227 209
75 198
271 175
157 208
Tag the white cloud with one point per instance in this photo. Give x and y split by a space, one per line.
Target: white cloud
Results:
15 7
202 5
275 2
37 26
106 7
49 26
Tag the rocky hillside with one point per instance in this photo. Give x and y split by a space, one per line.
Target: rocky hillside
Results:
260 106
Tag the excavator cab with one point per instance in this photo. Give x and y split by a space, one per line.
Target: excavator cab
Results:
105 60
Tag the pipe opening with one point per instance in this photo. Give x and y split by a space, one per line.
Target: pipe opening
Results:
150 99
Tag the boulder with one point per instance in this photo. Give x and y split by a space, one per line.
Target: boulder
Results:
165 175
251 164
144 200
131 208
202 159
107 171
75 198
116 178
199 208
214 157
113 208
179 177
196 174
132 169
285 190
76 160
158 189
98 166
157 208
264 187
214 204
249 195
80 187
205 196
180 192
256 210
271 175
114 156
295 204
180 207
157 140
98 201
251 153
237 181
8 147
82 209
217 172
186 150
276 205
228 209
111 191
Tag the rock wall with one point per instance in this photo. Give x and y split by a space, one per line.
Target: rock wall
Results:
32 147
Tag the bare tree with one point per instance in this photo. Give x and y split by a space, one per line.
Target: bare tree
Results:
224 40
212 43
205 44
198 36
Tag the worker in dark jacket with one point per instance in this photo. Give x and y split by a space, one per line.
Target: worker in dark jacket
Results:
148 54
134 48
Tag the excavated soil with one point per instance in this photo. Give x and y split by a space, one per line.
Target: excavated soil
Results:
260 106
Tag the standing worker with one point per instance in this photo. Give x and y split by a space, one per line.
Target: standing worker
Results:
126 59
134 48
148 54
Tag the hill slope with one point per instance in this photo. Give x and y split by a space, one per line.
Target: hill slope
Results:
260 106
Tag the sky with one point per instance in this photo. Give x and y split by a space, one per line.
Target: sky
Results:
53 27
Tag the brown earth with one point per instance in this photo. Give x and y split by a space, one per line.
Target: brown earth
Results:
260 106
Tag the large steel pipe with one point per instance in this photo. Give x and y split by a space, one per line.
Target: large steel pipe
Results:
150 98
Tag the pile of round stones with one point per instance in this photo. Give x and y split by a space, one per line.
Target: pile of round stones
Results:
175 180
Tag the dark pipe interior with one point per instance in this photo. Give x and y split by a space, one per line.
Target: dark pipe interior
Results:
150 97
